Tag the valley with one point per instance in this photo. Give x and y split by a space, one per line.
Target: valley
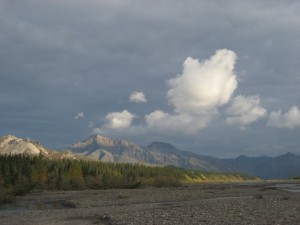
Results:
115 182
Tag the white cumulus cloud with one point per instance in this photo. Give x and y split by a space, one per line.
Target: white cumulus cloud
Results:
205 85
79 115
245 110
118 120
137 97
290 119
196 96
197 93
175 123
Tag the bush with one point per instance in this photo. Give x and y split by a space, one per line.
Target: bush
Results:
166 181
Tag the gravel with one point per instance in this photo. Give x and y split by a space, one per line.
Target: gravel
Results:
253 203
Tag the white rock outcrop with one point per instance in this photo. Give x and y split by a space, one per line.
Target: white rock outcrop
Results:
11 145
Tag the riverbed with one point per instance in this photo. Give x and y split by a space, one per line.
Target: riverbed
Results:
208 203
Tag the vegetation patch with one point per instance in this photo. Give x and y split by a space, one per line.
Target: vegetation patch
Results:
20 174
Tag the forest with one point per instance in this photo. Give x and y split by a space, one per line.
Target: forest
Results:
20 174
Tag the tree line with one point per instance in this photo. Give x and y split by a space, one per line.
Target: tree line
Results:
20 174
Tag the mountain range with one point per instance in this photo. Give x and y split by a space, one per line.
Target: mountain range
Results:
105 149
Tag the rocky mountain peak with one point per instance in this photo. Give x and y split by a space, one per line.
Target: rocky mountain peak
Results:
6 139
99 142
106 142
12 145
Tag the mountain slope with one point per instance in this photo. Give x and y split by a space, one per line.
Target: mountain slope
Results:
283 166
247 164
167 154
13 145
109 150
158 153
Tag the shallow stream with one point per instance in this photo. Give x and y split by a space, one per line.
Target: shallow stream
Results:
295 188
20 206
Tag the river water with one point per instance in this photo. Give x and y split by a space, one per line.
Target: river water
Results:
295 188
20 206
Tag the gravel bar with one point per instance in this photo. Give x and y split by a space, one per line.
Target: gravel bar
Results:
222 203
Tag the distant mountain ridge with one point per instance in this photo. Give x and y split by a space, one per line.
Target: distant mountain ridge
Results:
160 153
167 154
105 149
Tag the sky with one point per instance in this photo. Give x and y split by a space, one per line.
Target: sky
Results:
219 78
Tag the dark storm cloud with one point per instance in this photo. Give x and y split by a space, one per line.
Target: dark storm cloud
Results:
62 57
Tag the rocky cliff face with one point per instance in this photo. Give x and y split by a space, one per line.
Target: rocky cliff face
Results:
13 145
